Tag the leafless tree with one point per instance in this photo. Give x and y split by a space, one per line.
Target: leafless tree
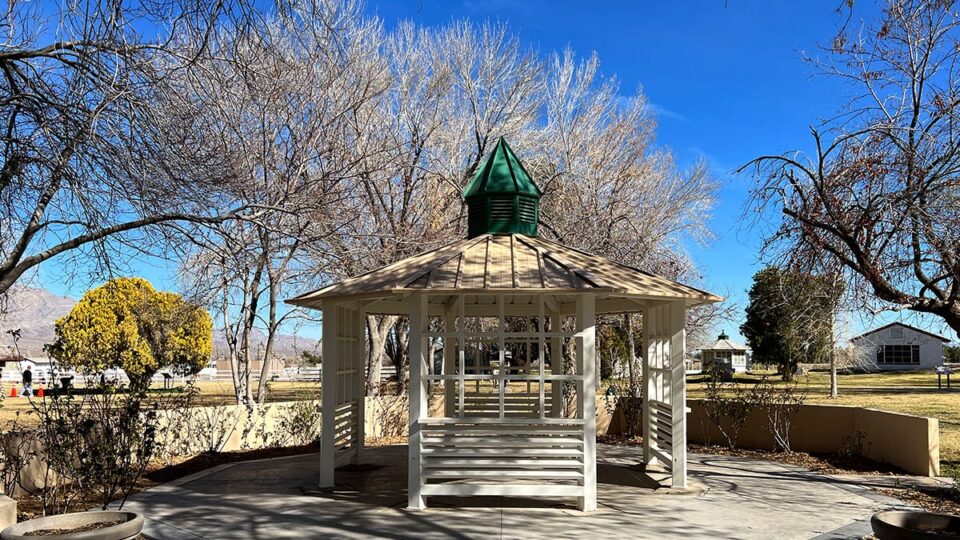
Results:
452 92
879 197
87 165
275 100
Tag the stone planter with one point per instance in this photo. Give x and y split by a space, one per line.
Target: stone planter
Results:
914 525
129 528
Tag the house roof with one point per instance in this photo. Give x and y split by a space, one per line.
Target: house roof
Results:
725 345
914 328
502 173
512 264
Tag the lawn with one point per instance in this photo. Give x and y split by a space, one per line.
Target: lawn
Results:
904 392
210 393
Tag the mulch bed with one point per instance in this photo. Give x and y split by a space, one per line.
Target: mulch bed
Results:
85 528
29 507
940 501
820 463
200 462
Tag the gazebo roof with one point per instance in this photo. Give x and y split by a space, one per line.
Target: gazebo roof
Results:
509 264
723 343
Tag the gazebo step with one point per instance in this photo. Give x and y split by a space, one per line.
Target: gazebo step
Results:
498 462
467 473
503 429
483 442
501 452
535 422
504 490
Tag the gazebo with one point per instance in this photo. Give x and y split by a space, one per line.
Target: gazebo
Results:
516 316
725 354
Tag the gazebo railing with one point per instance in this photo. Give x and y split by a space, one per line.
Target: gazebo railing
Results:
507 457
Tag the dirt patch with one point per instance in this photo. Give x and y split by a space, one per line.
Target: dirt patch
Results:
161 475
940 501
84 528
820 463
29 506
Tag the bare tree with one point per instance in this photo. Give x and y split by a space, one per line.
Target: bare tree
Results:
452 92
879 197
275 101
88 166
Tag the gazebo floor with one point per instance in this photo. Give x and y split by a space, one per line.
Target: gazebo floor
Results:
731 497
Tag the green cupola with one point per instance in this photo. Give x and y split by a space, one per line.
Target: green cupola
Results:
502 198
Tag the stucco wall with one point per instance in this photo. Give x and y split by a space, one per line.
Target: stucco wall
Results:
931 348
911 443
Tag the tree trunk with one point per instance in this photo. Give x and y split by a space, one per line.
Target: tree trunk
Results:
631 353
834 391
377 327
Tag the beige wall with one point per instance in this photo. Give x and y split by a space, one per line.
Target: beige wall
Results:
197 430
911 443
908 442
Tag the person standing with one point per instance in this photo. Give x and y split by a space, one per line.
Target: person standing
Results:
28 382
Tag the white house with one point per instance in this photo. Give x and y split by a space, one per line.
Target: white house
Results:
899 347
725 353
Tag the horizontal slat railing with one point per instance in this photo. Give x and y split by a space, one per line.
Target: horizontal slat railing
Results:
503 456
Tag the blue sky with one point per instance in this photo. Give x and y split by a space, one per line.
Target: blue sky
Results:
726 78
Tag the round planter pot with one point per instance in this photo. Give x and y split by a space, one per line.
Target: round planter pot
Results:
905 525
130 527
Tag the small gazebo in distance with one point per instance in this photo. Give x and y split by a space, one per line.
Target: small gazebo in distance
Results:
516 315
725 355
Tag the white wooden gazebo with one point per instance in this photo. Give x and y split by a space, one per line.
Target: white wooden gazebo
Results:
516 317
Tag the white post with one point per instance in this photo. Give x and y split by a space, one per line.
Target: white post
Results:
329 394
449 367
649 351
678 393
586 353
556 366
418 398
359 348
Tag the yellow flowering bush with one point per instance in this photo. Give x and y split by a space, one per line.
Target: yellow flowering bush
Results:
127 324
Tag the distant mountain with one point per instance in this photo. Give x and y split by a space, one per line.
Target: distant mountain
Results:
34 310
284 345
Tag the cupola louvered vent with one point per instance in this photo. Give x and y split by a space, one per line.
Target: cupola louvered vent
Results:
502 198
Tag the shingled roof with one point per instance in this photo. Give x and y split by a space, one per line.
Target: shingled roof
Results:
511 264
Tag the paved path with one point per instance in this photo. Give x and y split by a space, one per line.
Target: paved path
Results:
735 498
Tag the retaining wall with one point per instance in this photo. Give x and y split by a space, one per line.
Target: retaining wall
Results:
908 442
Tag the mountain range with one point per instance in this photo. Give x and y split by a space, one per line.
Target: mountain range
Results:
34 310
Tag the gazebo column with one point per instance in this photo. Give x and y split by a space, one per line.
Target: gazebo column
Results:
664 389
359 357
556 365
328 385
586 361
418 398
343 387
449 366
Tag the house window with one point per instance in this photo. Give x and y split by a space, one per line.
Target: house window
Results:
898 354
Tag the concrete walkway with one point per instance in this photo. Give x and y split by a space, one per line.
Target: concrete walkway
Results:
732 498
